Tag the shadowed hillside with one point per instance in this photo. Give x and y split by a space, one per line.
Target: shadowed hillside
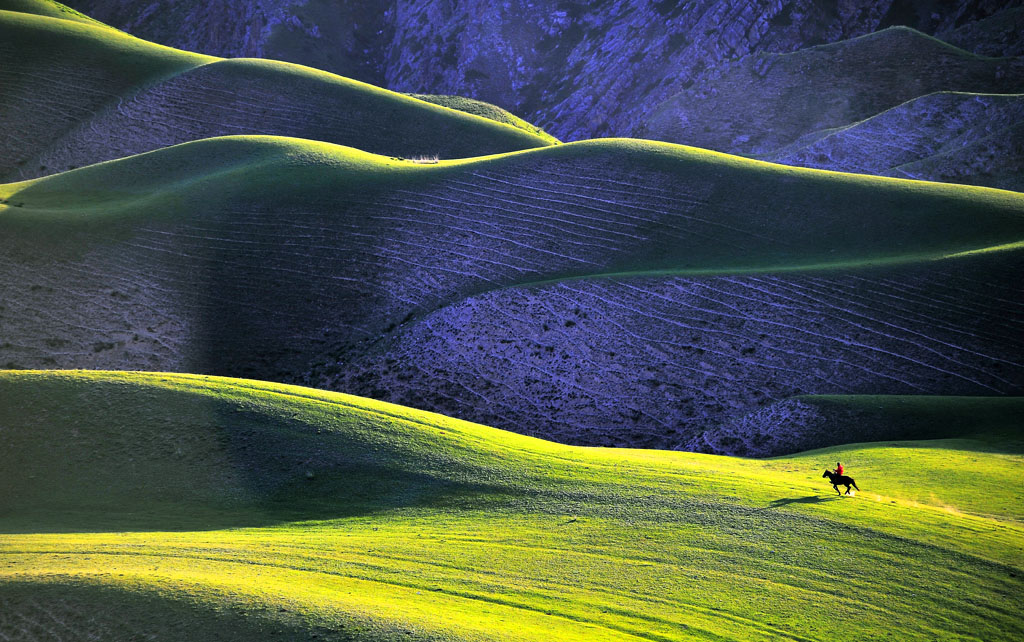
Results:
293 260
368 521
803 423
667 358
576 69
763 103
949 137
729 103
77 94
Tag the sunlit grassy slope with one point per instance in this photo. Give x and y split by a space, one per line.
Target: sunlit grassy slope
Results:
48 8
139 504
201 257
739 214
77 92
487 110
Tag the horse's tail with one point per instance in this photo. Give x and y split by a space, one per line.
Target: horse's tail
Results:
854 484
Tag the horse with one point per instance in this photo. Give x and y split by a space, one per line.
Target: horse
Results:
839 480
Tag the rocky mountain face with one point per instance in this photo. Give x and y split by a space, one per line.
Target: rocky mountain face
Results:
721 75
822 88
577 69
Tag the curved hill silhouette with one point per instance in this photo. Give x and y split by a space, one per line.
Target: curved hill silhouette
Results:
577 69
763 103
946 136
135 502
293 260
77 93
284 100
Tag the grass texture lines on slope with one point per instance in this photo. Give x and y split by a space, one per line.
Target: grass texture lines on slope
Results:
293 260
289 509
77 94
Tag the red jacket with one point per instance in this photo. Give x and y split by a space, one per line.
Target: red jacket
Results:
839 469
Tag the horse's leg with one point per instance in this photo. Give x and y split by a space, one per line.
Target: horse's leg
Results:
836 486
847 489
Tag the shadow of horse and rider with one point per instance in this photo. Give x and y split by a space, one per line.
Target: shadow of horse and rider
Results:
834 478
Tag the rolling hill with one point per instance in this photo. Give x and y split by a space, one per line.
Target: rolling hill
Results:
578 69
718 75
152 504
761 104
77 93
655 290
946 136
667 359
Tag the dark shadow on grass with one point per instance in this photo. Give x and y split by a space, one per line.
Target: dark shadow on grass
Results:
809 499
83 455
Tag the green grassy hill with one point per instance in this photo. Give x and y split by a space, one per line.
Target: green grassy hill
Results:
78 93
50 9
143 504
486 110
285 259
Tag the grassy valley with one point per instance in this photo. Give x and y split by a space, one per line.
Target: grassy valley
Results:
289 356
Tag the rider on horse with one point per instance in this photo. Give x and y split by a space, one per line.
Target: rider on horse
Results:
837 478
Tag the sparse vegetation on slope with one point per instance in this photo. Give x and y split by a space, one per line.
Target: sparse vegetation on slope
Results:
77 94
486 110
310 257
360 520
952 137
670 357
763 103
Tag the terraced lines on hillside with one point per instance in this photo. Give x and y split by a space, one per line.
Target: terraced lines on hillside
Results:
655 361
760 104
288 259
946 136
77 94
302 511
